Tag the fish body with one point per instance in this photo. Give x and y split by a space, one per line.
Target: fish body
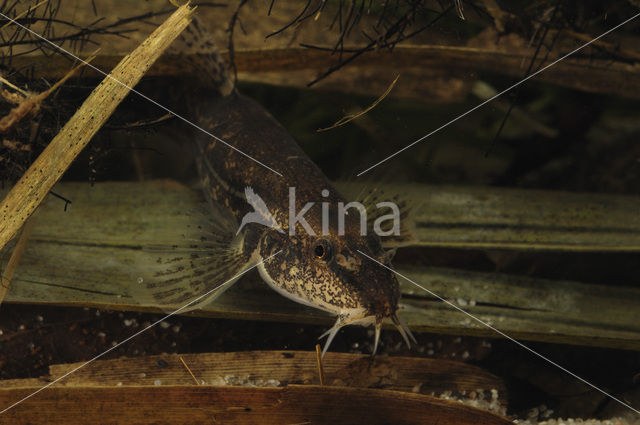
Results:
315 261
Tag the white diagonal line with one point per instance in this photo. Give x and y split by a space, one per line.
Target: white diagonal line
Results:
164 108
499 94
134 335
502 334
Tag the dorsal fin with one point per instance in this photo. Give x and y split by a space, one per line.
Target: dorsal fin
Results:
372 197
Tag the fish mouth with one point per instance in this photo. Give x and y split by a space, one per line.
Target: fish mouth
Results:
369 320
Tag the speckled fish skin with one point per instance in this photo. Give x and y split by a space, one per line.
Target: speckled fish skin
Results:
348 284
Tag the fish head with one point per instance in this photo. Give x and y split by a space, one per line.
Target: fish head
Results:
331 272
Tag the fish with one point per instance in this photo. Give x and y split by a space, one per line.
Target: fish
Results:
314 260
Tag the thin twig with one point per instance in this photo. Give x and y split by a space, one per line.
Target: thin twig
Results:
24 13
141 123
14 87
31 104
348 118
230 45
189 370
320 368
386 41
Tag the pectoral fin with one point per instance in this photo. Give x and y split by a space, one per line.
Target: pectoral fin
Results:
193 272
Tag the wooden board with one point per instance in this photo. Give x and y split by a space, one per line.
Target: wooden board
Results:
132 214
234 405
423 66
484 217
92 254
278 368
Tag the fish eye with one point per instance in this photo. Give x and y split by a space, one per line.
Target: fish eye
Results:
322 250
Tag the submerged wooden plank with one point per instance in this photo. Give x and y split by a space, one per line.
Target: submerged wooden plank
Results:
134 214
296 67
92 254
483 217
235 405
277 369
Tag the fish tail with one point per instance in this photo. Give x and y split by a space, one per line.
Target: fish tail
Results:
198 49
